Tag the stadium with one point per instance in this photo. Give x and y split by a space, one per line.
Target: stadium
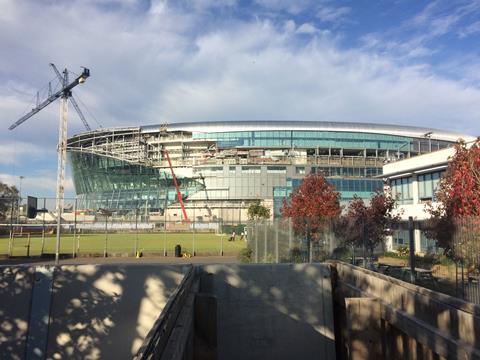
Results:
221 167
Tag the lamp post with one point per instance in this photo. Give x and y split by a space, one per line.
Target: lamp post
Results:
106 213
21 177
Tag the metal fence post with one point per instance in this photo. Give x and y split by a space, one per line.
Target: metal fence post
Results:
310 251
276 242
10 240
74 242
106 236
290 234
256 242
221 244
43 226
165 234
364 239
193 231
265 245
412 249
136 232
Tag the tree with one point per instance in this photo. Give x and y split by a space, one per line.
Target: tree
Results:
257 211
459 191
311 206
8 198
458 199
367 226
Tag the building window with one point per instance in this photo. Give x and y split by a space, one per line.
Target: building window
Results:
400 238
251 169
276 169
300 170
428 185
402 190
428 246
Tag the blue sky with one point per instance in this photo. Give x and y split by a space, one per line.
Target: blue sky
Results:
406 62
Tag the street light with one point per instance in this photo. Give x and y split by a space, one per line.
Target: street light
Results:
106 213
21 177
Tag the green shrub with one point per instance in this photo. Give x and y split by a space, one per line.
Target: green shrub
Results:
296 255
403 251
391 254
342 253
245 255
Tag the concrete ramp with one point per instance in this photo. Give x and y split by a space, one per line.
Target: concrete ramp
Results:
277 312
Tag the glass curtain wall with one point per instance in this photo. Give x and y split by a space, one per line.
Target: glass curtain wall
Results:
104 182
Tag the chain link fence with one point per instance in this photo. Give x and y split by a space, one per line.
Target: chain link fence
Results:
113 232
303 240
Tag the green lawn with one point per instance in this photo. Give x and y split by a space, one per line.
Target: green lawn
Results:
153 243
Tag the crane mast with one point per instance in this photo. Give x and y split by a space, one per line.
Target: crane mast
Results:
64 94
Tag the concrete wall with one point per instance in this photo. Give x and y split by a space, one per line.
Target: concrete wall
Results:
96 311
15 297
105 311
274 311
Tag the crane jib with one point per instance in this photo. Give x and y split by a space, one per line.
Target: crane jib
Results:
66 91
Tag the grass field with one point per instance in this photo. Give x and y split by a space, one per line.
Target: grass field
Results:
205 243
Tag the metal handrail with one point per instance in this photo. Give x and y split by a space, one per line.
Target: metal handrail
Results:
154 343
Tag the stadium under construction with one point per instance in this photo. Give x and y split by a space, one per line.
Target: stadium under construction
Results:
221 167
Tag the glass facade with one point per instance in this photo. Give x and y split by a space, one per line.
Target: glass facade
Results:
307 139
128 168
347 171
402 190
400 238
428 246
104 182
363 188
428 184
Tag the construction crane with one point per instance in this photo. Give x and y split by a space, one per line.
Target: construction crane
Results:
64 94
177 188
72 99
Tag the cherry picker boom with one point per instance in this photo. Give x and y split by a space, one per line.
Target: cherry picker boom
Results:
177 188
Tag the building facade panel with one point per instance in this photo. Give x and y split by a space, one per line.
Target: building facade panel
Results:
222 167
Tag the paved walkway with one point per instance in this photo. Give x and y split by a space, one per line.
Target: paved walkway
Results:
124 260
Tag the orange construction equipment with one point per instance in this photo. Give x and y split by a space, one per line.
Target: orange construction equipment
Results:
179 194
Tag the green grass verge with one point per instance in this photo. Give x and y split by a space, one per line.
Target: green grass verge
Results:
205 243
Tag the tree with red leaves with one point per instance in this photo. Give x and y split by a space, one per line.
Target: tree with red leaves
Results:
458 197
367 226
459 191
311 206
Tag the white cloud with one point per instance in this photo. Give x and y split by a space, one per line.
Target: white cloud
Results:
40 184
333 14
168 64
471 29
293 7
307 28
19 151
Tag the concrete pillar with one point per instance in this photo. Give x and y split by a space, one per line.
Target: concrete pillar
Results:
416 199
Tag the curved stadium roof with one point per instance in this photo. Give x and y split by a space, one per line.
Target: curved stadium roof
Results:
272 125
